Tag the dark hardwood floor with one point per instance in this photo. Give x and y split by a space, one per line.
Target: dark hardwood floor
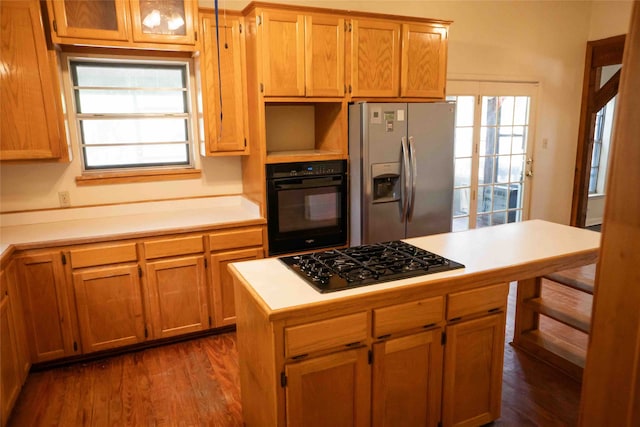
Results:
195 383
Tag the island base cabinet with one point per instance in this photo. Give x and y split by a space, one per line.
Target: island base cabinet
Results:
109 307
407 381
331 390
472 386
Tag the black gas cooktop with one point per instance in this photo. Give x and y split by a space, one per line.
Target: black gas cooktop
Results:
338 269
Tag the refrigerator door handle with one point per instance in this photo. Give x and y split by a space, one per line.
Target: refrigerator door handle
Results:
406 171
414 174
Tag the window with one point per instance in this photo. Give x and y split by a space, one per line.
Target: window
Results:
491 153
131 114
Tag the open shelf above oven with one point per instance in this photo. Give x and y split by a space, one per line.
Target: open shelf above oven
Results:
305 131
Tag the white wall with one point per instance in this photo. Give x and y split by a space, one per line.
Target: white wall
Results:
542 41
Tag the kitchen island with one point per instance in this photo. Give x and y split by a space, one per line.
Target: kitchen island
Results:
415 351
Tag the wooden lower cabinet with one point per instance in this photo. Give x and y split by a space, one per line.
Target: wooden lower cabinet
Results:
330 390
177 296
10 381
41 283
472 386
224 312
109 306
407 380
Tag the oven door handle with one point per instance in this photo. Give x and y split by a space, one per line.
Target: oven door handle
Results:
406 171
309 183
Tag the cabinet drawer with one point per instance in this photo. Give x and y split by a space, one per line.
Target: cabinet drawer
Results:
401 317
325 334
173 247
235 239
477 301
112 254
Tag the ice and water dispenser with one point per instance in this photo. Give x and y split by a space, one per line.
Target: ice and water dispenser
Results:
386 182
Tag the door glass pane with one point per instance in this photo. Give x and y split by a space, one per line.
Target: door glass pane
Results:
503 168
461 201
91 14
485 170
463 142
163 17
463 152
463 172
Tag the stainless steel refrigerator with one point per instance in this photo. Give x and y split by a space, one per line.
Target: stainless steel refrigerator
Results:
401 170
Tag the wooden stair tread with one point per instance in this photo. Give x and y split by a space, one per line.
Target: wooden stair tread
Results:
584 284
568 315
563 349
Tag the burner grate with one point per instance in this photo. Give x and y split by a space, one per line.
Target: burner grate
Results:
336 269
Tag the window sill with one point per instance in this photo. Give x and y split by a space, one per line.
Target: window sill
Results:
105 178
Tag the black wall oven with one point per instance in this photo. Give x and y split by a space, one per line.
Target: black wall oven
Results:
306 205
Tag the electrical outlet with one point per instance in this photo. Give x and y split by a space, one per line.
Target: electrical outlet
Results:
65 199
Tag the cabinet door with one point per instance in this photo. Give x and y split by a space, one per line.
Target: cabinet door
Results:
224 312
407 380
178 296
282 53
324 60
224 98
168 21
44 300
375 58
472 386
330 390
424 60
90 19
31 126
109 307
10 383
8 286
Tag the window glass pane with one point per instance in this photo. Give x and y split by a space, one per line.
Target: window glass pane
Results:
133 131
464 110
463 142
91 101
593 180
123 75
121 156
462 172
483 220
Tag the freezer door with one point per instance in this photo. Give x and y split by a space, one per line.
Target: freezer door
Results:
431 128
384 127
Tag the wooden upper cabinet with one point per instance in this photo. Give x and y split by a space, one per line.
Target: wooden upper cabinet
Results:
223 87
167 21
424 60
156 24
282 53
91 19
375 58
324 60
32 126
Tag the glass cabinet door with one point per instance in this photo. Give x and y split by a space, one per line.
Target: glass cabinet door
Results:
91 19
163 21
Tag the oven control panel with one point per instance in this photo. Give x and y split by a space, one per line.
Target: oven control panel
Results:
284 170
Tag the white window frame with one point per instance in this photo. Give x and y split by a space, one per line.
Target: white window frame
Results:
73 119
478 89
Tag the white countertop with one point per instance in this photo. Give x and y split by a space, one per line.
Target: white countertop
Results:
100 222
480 250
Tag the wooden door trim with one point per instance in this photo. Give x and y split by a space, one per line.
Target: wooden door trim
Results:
599 53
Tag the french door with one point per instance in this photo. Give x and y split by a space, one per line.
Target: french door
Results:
493 152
